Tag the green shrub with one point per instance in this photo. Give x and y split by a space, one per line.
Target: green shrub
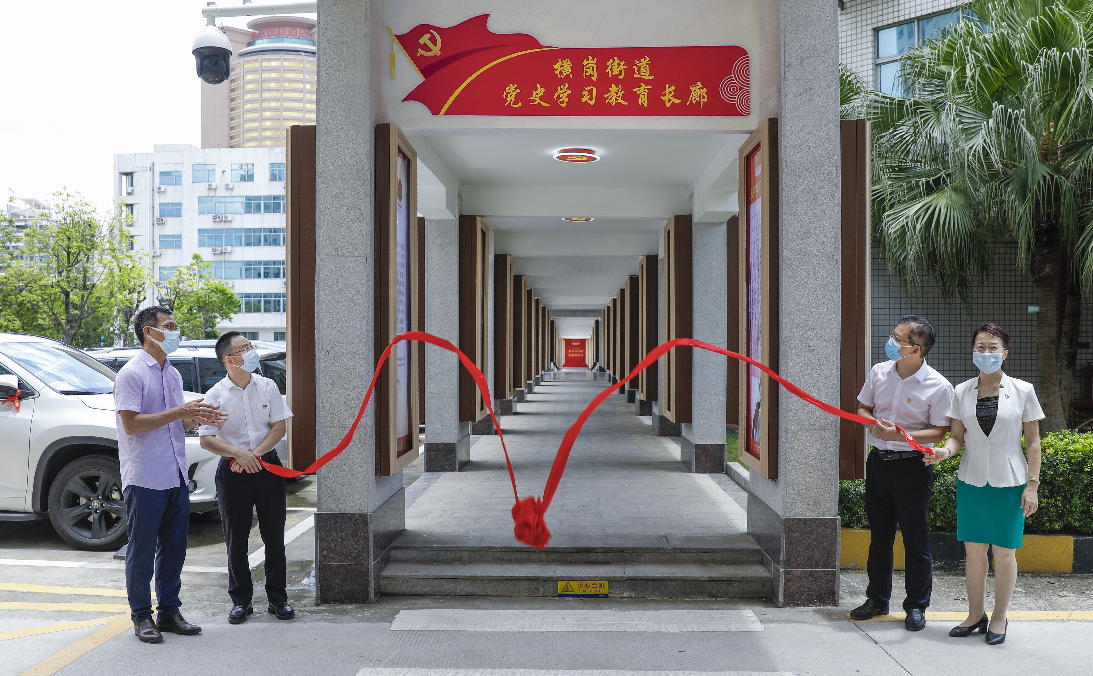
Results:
1066 490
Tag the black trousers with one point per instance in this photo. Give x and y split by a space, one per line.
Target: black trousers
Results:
897 493
240 495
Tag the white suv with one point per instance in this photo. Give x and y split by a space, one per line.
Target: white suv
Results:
59 454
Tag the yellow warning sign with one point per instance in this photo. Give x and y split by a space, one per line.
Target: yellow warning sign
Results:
596 588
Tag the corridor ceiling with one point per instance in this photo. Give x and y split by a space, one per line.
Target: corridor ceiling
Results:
511 180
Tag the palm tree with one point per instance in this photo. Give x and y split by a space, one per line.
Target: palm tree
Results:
993 143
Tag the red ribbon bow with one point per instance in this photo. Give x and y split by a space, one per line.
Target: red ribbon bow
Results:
13 400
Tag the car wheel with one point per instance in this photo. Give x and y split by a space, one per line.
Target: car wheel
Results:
86 504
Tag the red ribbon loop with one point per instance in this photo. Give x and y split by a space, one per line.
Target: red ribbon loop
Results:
14 400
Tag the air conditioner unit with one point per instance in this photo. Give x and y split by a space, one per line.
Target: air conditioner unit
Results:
226 249
226 217
212 186
160 220
156 253
129 191
160 188
217 249
229 186
217 218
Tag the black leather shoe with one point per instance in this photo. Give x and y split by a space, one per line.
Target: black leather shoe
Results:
177 624
283 611
146 631
238 614
868 610
916 620
960 631
997 639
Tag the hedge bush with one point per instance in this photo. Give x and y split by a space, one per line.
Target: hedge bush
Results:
1066 491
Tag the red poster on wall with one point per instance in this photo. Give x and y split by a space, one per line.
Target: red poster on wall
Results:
574 354
469 70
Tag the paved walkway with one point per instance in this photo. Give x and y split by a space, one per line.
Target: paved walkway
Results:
623 486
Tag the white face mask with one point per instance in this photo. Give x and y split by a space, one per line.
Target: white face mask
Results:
170 341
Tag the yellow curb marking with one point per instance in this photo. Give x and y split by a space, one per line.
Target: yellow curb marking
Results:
64 626
61 659
47 589
1024 615
91 607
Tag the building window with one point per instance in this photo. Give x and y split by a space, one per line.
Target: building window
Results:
170 209
240 237
170 241
166 272
276 171
242 173
249 335
254 204
170 178
127 180
894 42
248 269
279 336
130 209
261 302
204 173
219 204
265 204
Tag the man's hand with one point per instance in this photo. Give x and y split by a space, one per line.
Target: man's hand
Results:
246 461
215 419
199 411
886 431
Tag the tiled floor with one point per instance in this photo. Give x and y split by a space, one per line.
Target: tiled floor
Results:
623 486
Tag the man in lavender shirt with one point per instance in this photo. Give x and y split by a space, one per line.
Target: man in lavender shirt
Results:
152 417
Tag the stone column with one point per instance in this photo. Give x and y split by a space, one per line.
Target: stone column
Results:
359 514
447 440
795 518
702 446
662 427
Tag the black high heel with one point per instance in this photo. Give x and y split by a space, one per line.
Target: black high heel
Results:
960 632
997 639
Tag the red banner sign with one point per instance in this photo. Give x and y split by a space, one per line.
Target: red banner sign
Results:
574 353
469 70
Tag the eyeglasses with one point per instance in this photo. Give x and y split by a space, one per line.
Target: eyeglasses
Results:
988 349
240 353
170 327
909 343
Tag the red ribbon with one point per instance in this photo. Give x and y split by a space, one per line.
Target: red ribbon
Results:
13 399
529 514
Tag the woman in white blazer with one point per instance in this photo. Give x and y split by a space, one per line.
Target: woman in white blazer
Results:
996 486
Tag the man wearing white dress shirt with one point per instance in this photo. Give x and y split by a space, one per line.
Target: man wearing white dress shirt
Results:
908 392
256 422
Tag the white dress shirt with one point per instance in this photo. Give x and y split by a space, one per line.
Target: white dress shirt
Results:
997 460
251 412
919 401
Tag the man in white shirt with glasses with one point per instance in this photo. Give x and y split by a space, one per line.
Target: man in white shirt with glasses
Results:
256 422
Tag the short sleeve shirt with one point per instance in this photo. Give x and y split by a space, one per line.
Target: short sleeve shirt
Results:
155 459
251 411
919 401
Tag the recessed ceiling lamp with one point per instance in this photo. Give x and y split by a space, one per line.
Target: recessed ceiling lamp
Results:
576 155
581 219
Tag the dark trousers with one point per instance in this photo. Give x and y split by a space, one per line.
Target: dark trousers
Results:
897 492
240 495
158 524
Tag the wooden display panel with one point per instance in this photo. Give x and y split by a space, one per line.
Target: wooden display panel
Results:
620 333
633 321
614 312
536 337
300 293
856 291
396 295
732 339
678 318
519 330
502 326
647 324
758 294
419 309
474 279
529 335
595 343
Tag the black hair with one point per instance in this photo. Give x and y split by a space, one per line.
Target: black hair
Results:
992 329
922 332
223 345
147 317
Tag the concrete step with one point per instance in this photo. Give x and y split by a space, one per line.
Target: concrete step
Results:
745 551
625 580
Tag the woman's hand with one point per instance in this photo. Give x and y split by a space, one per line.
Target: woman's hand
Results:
1030 499
939 455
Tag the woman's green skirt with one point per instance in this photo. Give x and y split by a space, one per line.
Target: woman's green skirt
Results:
990 515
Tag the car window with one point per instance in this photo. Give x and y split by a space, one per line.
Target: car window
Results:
275 370
63 369
186 370
4 371
211 373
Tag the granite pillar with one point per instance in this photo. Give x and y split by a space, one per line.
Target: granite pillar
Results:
642 407
358 514
795 518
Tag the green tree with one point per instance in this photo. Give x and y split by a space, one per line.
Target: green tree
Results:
128 278
198 300
995 143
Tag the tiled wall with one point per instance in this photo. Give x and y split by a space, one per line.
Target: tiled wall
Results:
859 19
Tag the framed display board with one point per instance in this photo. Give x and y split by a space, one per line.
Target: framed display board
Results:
300 293
529 335
595 343
732 337
419 309
647 324
519 320
614 313
536 337
502 326
474 311
633 322
678 318
758 294
396 300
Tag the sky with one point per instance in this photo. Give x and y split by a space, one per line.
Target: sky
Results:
85 79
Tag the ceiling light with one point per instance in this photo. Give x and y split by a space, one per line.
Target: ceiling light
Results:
576 155
579 219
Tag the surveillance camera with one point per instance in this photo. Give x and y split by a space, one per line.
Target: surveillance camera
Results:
213 51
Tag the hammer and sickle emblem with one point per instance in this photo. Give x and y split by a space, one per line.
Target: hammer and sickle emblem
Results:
434 49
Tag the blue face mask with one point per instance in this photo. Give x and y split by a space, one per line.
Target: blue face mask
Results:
250 361
170 341
987 362
891 348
